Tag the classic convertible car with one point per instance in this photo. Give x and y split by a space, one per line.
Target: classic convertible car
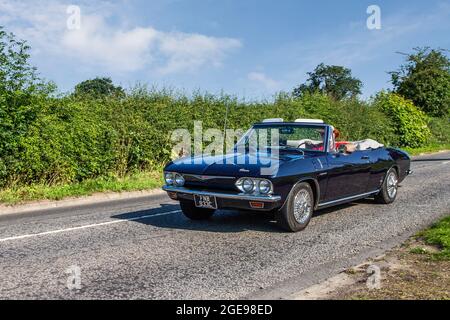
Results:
312 171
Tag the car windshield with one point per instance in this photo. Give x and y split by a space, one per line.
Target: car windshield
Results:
285 137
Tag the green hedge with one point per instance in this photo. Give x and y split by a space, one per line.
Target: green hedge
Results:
410 122
66 139
440 129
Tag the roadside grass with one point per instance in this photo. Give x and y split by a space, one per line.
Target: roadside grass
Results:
135 182
438 235
427 149
418 269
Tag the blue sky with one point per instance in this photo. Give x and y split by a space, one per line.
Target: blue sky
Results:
247 48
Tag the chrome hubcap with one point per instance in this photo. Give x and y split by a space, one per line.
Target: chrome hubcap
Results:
302 206
392 185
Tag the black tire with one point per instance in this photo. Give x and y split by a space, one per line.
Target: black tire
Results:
286 217
192 212
388 195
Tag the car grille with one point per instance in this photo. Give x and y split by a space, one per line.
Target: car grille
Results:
202 182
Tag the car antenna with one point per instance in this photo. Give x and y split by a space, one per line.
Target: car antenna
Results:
226 120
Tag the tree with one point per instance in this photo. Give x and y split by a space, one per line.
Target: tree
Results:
16 73
98 87
335 81
21 96
425 80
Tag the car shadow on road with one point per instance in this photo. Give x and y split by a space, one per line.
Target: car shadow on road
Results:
224 221
321 212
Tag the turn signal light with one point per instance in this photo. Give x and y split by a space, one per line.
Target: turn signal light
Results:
172 195
257 205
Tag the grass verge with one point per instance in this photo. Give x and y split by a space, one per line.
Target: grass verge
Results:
427 149
418 270
438 235
135 182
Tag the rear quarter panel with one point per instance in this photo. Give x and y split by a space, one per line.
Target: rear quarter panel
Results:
402 161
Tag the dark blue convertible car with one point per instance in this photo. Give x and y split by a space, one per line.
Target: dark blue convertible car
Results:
288 168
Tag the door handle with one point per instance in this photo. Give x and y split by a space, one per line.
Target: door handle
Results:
365 158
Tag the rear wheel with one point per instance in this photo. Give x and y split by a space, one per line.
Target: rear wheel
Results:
389 189
298 209
192 212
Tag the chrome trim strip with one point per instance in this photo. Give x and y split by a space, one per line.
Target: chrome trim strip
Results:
349 198
237 196
206 177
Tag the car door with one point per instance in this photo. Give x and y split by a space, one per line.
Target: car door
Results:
348 174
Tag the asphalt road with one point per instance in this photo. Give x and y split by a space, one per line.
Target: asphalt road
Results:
146 249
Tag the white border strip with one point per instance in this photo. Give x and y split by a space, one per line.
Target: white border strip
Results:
86 226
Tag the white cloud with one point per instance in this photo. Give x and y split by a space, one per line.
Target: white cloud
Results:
110 45
118 50
190 51
262 79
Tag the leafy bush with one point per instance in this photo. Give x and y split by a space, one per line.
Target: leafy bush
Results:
440 129
410 122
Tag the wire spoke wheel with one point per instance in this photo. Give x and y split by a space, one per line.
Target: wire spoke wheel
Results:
302 206
392 185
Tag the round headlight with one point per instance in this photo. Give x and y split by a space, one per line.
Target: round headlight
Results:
168 176
248 185
264 186
179 180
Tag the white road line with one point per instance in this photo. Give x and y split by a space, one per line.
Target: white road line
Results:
87 226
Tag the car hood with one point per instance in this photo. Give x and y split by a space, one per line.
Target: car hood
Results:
234 164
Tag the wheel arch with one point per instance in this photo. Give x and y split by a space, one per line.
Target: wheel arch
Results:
396 167
314 184
397 170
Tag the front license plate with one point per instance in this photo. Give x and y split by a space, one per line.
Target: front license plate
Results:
207 202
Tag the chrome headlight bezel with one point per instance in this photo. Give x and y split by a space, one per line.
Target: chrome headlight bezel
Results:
169 178
174 179
178 180
267 186
248 185
255 184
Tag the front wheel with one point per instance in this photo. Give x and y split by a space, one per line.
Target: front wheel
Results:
389 189
298 209
192 212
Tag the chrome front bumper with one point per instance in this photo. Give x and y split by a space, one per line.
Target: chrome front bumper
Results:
221 195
